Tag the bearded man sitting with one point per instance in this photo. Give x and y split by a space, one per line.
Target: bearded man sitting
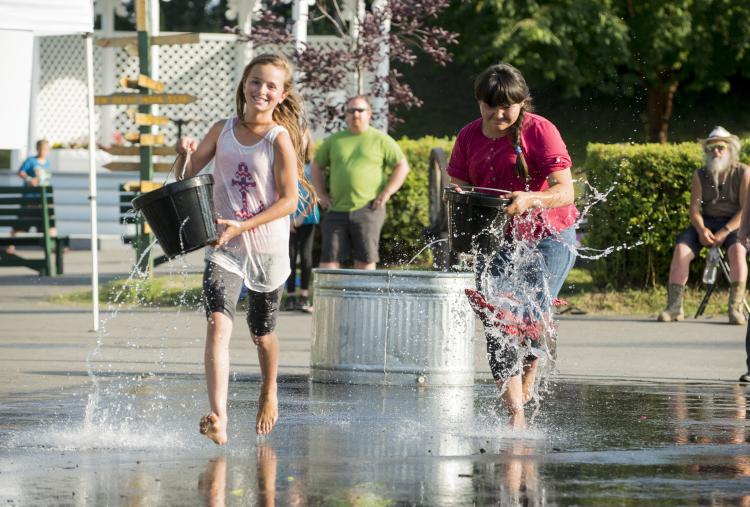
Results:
718 192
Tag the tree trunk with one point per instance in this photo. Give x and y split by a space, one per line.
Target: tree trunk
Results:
659 102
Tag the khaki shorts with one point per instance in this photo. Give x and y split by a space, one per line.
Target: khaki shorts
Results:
352 234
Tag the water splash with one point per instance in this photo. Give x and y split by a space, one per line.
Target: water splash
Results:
428 245
180 233
126 410
594 197
520 294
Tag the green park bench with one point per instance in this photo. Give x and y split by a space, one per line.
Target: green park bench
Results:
24 208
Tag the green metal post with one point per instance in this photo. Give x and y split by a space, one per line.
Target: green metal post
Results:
146 262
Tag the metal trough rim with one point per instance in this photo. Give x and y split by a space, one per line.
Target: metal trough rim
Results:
394 272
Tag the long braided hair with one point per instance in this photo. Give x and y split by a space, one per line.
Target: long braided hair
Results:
503 85
289 113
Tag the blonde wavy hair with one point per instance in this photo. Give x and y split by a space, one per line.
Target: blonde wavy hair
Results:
289 113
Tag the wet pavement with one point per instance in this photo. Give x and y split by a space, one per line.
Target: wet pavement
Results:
613 443
640 414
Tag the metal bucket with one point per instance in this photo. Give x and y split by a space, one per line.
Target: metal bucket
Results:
392 327
476 221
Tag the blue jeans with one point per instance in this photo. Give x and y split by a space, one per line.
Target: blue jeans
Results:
533 275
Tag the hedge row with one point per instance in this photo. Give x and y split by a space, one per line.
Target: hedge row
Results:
644 212
407 210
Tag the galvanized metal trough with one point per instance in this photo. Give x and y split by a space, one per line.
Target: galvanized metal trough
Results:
392 327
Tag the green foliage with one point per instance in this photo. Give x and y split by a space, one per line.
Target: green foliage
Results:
407 210
646 209
611 46
571 43
647 205
182 16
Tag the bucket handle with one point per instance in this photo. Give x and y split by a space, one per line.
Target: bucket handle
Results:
184 167
471 188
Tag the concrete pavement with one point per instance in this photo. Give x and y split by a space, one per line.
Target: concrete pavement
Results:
45 346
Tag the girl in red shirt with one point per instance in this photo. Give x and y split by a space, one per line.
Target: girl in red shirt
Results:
510 148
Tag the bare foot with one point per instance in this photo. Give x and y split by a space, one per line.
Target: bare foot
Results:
214 427
528 388
528 380
512 394
518 420
268 412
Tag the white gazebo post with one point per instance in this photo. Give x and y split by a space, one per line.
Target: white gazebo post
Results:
153 23
17 156
355 13
380 104
242 11
108 72
92 181
300 15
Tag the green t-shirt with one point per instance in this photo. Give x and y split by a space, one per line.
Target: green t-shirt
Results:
356 165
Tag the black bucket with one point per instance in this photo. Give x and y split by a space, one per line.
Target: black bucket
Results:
181 214
476 221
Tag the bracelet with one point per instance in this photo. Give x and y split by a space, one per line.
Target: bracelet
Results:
727 228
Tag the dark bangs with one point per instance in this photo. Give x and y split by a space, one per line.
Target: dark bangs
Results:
501 85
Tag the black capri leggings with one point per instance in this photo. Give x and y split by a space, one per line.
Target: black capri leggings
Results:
221 290
301 244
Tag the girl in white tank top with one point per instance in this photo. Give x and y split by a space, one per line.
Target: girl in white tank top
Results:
258 157
244 186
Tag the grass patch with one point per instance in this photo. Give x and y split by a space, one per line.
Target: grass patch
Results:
579 291
159 291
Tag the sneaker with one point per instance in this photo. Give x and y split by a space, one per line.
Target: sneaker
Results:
304 305
289 304
745 378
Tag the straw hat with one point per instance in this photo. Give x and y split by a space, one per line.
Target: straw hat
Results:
721 134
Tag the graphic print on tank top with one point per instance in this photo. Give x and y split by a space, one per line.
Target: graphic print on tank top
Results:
244 181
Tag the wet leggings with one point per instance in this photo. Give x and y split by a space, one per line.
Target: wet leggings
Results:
503 357
221 290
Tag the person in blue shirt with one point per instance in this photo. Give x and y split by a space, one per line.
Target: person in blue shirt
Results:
301 238
35 169
34 172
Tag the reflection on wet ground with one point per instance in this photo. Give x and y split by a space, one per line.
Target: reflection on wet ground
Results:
618 443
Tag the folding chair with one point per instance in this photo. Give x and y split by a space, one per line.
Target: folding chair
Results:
710 288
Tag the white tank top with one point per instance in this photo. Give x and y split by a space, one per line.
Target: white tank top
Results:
243 187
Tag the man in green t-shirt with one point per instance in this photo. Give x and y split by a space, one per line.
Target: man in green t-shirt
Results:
355 161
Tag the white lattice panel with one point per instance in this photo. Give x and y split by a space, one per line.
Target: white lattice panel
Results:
206 70
61 114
